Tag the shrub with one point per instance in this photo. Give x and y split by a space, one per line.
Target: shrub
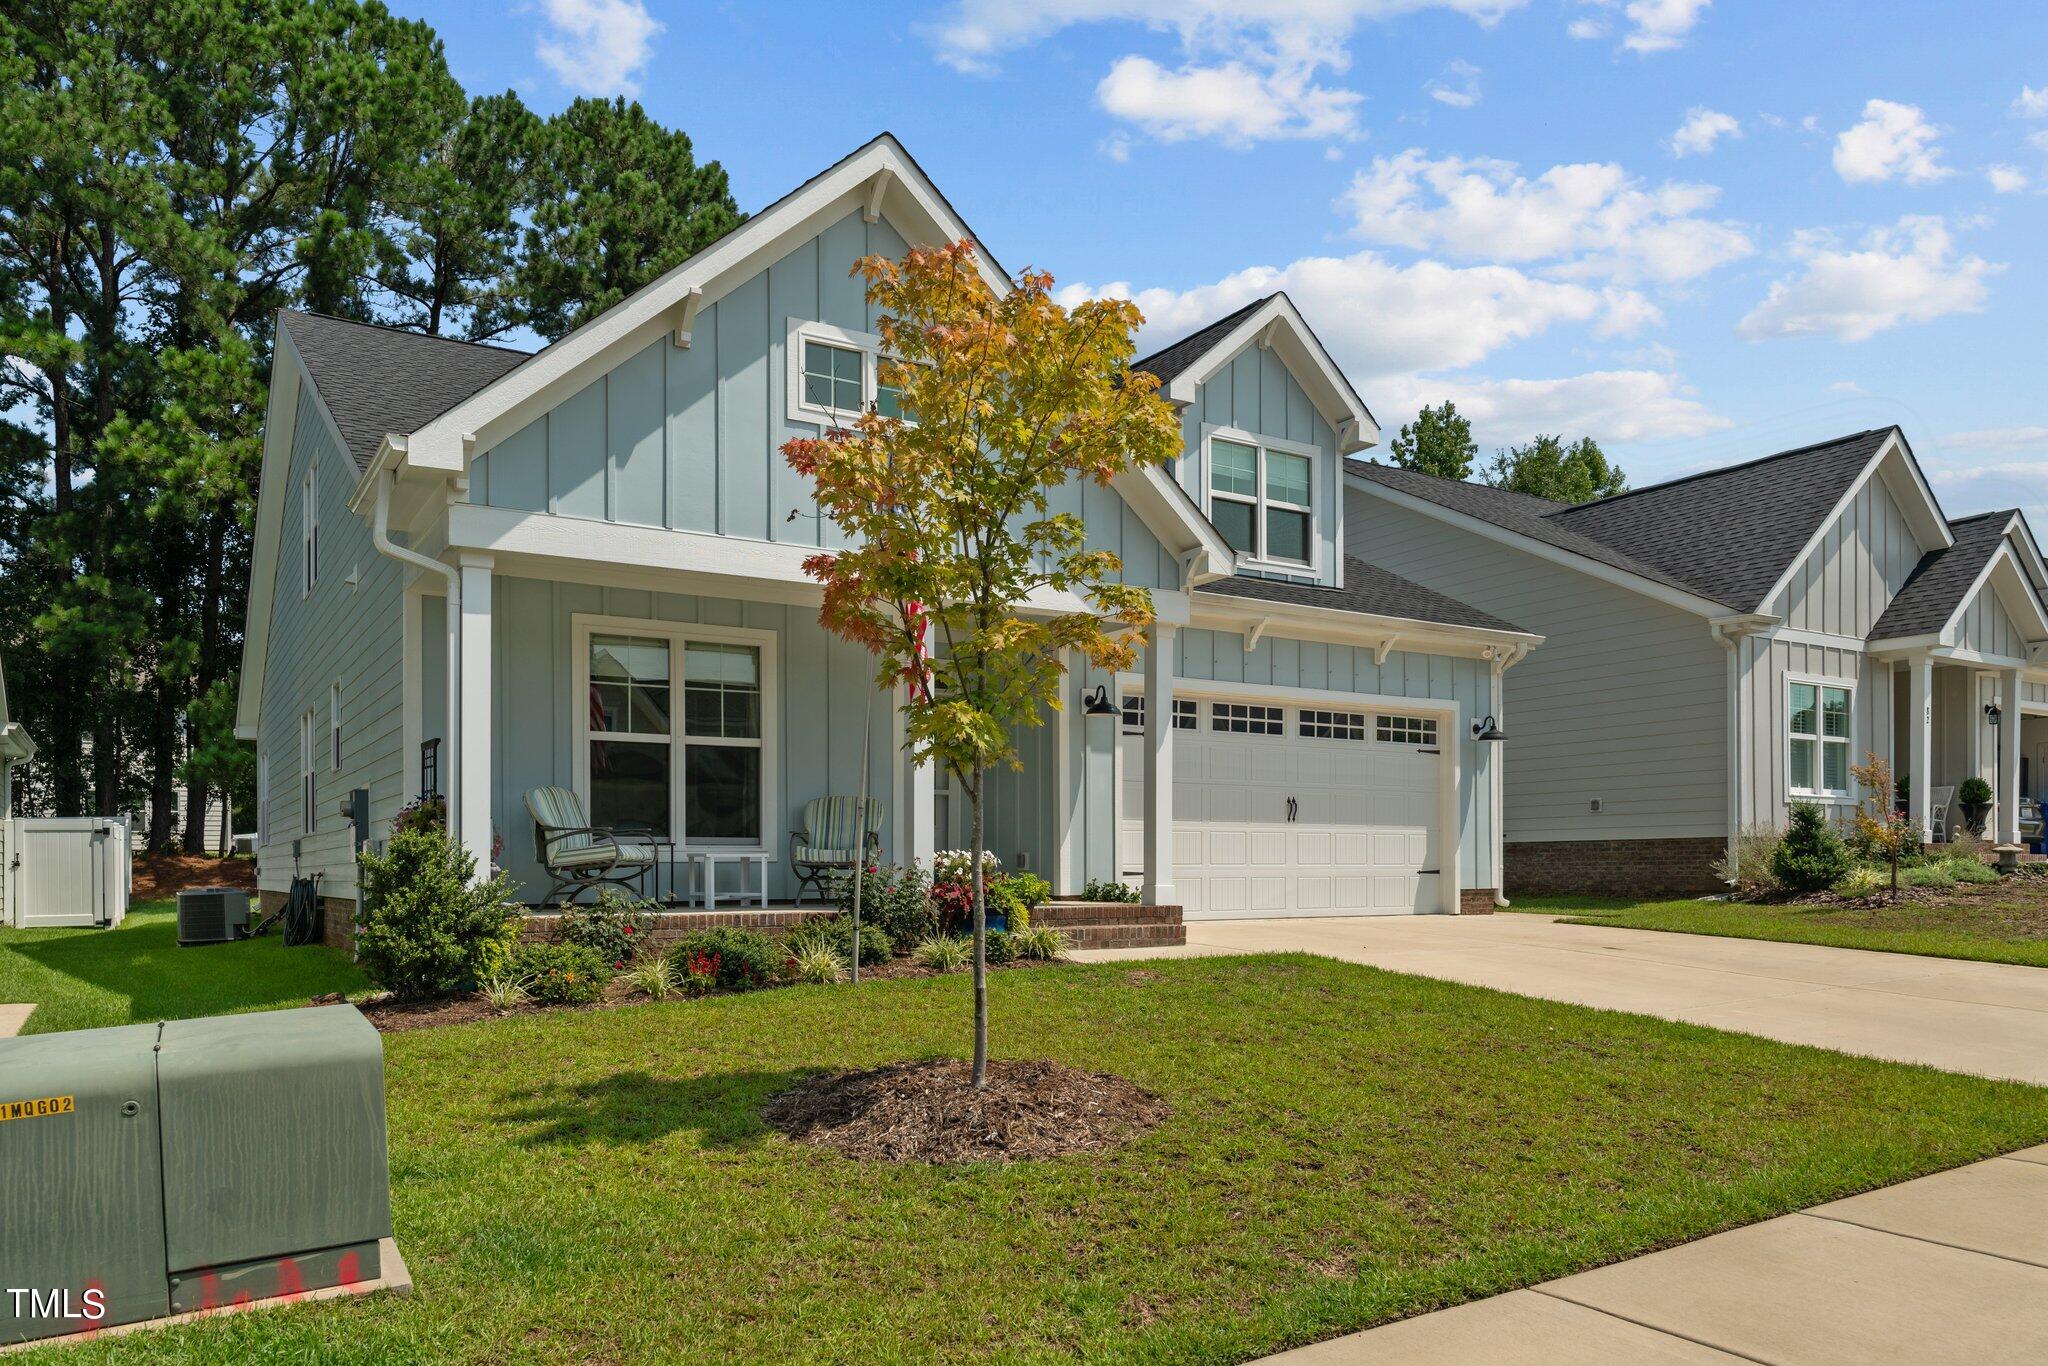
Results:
952 906
1968 869
897 901
1974 792
818 962
1027 892
653 975
1937 875
1043 943
1862 881
738 960
1751 872
1810 858
427 929
1000 948
562 974
836 934
1110 891
617 927
944 953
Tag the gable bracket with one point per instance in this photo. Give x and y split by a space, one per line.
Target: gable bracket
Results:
686 315
877 187
1383 649
1258 628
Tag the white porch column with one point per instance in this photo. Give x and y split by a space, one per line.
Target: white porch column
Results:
472 728
1920 741
1159 765
2010 723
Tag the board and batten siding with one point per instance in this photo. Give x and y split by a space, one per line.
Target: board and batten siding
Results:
1769 666
1256 393
1986 628
1625 702
690 437
1855 570
344 633
2033 694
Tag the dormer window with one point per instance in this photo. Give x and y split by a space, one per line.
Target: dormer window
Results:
1261 499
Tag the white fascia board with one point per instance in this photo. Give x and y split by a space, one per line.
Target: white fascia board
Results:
2003 574
289 380
549 546
1909 490
1338 626
559 370
15 745
2029 550
1543 550
1281 325
1170 514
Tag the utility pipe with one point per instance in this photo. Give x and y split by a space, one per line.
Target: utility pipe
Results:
380 537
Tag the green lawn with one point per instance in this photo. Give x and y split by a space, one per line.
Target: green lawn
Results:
1347 1146
82 979
2009 925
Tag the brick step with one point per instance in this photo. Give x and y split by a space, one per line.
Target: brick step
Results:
1069 914
1125 936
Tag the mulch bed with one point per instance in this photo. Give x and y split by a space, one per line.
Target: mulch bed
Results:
929 1112
161 876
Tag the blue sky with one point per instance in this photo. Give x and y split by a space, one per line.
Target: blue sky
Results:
1697 231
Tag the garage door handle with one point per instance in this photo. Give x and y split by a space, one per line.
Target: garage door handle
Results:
1291 805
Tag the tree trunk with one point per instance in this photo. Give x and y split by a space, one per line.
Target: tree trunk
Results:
980 940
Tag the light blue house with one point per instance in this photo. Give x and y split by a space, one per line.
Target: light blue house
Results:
479 572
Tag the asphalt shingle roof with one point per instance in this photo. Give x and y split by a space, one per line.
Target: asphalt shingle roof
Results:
1727 535
1935 588
1172 360
382 379
1367 589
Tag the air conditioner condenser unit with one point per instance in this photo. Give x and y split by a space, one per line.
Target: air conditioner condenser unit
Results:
212 915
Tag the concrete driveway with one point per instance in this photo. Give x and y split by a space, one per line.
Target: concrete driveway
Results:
1952 1268
1987 1018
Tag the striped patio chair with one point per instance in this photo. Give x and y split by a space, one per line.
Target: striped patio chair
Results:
577 854
833 835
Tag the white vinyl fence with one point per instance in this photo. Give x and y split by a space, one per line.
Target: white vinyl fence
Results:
67 871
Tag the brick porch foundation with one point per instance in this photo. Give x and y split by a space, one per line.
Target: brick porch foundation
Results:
1625 868
1475 901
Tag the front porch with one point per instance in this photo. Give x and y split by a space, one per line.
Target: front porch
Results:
1962 718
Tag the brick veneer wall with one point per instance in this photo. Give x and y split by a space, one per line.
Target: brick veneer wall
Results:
1638 868
1475 901
337 917
669 926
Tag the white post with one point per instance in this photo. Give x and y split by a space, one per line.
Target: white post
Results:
473 727
2009 727
1920 739
412 689
1159 765
1061 874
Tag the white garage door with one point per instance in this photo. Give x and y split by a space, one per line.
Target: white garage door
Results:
1293 811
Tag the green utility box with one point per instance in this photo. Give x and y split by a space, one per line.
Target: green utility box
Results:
159 1169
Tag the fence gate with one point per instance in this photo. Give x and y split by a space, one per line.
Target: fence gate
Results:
67 870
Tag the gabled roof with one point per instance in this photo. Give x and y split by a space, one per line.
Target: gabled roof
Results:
1730 534
376 380
1171 360
1943 578
1368 590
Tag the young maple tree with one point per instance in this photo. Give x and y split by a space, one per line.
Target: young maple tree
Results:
1882 826
1005 396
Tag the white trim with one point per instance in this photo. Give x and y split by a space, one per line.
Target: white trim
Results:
1211 433
2015 586
1280 327
1930 528
678 634
1795 636
867 344
1336 625
1821 740
1542 550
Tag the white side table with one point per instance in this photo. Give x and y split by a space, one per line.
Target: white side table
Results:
707 875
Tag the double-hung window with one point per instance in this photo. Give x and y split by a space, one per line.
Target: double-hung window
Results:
1261 499
697 774
308 780
334 727
1817 739
836 375
309 529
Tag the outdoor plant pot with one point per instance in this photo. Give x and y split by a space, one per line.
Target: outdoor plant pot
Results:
1974 814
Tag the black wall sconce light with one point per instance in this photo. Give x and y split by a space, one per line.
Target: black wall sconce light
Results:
1488 730
1993 712
1097 703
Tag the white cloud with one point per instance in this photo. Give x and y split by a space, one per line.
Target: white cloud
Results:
2032 103
1907 273
1588 220
1379 318
1894 140
2000 439
1660 25
2006 179
1848 387
1702 128
1971 483
1462 92
2038 141
1231 102
597 47
1117 147
1610 406
1585 30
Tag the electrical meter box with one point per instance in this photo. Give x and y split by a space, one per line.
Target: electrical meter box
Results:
197 1164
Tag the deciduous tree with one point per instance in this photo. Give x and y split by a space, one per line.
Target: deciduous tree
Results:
1547 468
1439 442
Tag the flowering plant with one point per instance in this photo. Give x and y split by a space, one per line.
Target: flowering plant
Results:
700 973
957 865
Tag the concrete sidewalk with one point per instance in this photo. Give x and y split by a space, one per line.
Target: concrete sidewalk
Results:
13 1019
1952 1268
1987 1018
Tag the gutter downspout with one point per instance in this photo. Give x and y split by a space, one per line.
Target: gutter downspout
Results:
380 537
1729 634
1500 834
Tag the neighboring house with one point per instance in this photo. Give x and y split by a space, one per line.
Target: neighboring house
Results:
478 572
15 748
1720 646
